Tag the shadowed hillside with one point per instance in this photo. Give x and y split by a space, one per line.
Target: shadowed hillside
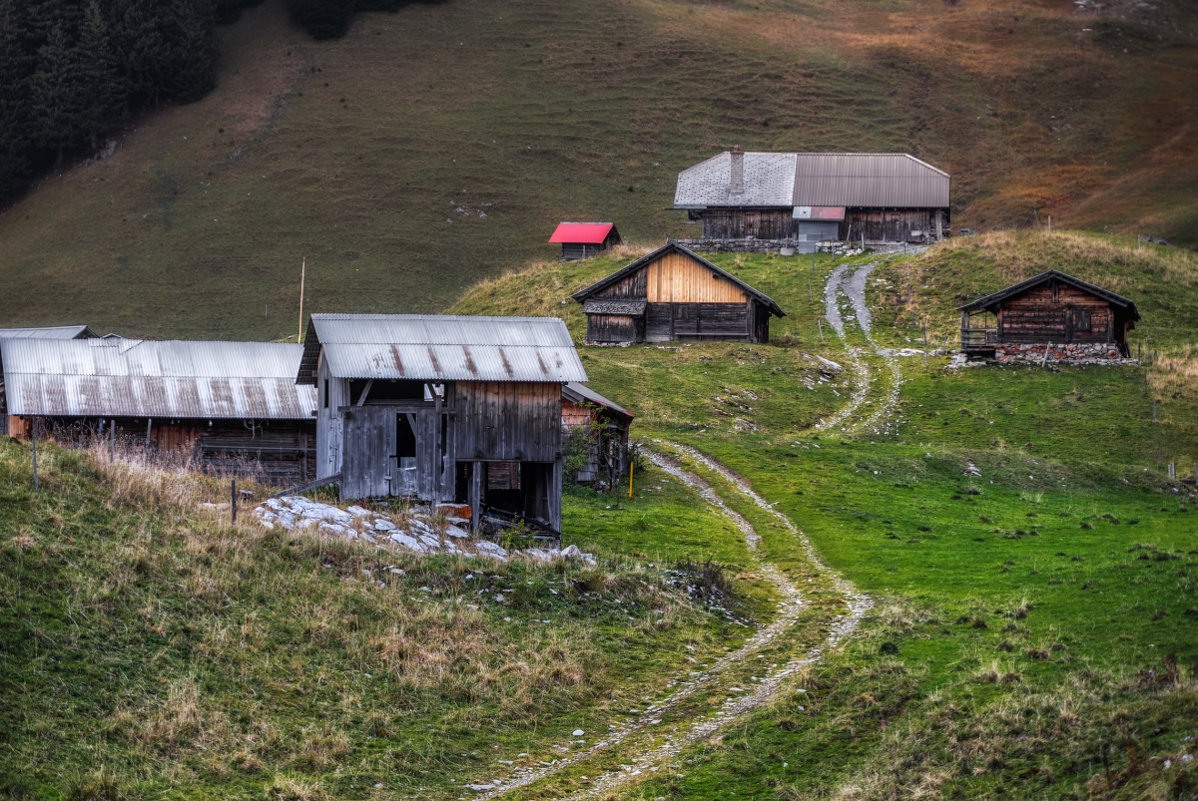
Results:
441 144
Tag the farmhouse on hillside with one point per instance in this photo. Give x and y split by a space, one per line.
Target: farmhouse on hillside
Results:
227 407
769 201
583 240
444 409
1051 314
674 294
602 427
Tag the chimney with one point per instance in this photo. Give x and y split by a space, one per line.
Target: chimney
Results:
736 182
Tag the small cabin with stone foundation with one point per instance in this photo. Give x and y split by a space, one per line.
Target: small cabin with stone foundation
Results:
674 294
1051 314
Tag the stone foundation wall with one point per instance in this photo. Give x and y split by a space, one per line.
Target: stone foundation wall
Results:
1073 352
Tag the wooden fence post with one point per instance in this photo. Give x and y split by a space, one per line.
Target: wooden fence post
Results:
233 498
34 436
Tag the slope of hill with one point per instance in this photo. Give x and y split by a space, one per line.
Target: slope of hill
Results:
1032 631
439 145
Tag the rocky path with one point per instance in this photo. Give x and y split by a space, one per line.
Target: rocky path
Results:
848 284
665 726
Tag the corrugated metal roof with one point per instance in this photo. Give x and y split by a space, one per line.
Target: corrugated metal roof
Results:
432 347
579 393
858 180
141 378
888 180
49 332
581 233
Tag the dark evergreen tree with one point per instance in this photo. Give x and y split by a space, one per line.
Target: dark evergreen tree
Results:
322 19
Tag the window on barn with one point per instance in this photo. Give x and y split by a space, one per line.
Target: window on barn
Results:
405 438
382 390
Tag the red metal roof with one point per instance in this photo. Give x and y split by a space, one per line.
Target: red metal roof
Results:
581 233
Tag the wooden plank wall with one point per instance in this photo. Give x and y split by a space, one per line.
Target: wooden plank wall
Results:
508 421
331 395
676 278
630 287
615 328
665 322
1056 313
887 226
747 224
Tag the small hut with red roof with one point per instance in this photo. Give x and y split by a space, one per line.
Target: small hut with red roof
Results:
583 240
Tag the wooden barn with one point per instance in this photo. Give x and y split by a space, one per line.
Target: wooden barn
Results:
443 409
224 407
51 332
768 201
604 426
1051 314
674 294
583 240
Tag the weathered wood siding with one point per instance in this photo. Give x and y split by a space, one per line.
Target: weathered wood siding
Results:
674 278
895 225
666 322
508 421
331 395
747 223
1057 313
631 287
615 328
579 250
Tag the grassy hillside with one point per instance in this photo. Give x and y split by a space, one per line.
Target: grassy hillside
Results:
151 649
1027 614
1033 631
439 145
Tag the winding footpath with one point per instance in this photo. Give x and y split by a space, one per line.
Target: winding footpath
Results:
653 740
844 283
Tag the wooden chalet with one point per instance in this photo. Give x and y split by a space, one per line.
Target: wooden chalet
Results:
230 408
583 240
1051 314
444 409
768 201
674 294
605 424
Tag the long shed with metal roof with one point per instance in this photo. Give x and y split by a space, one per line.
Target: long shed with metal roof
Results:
675 294
443 408
800 199
43 332
225 406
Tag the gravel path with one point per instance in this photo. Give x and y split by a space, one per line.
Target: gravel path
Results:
645 744
847 418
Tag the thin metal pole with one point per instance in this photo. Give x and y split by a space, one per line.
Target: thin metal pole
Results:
303 270
145 454
35 481
233 498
